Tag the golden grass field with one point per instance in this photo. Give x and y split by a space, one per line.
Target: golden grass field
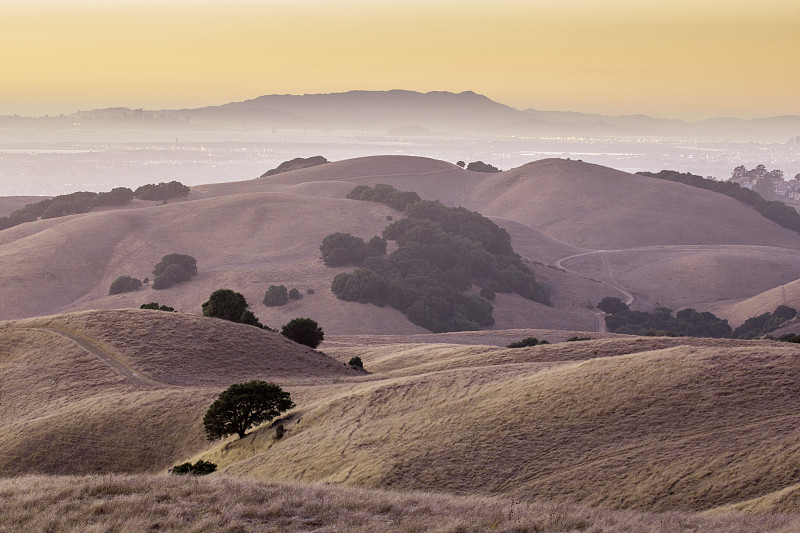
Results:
602 233
630 426
224 504
621 422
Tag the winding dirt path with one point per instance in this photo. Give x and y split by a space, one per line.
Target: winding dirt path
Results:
107 357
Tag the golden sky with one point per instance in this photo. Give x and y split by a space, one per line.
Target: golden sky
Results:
673 59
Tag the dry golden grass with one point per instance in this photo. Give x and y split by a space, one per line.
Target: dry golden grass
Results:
690 427
64 409
643 423
220 504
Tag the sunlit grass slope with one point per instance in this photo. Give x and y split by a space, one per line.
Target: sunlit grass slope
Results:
125 391
678 425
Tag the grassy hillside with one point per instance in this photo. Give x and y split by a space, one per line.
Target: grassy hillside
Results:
144 503
602 232
125 391
688 427
597 207
645 423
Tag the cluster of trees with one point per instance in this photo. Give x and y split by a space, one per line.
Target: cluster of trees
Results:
173 268
83 201
384 194
232 306
124 284
775 211
762 324
741 173
441 252
295 164
686 322
277 295
343 249
480 166
162 191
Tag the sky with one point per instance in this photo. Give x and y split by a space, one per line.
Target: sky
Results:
667 58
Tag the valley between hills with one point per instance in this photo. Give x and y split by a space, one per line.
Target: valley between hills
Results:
444 431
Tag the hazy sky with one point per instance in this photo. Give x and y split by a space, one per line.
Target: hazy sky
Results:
669 58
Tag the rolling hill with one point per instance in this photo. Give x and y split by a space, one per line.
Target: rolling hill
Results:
126 390
601 232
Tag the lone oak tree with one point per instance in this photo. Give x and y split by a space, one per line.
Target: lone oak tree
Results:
244 405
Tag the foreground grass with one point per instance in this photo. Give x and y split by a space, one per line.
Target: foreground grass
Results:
219 504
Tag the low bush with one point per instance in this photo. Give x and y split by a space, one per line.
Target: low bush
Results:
200 468
154 306
527 341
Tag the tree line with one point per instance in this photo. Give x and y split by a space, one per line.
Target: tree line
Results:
83 201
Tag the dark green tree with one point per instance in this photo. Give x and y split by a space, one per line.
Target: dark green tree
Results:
124 284
276 296
225 304
303 331
244 405
154 306
173 268
612 305
200 468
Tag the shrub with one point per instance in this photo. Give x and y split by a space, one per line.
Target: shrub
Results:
527 341
200 468
276 296
356 362
294 294
309 291
124 284
244 405
488 293
154 306
303 331
577 339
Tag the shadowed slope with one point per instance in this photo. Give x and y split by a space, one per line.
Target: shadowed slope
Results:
125 391
766 302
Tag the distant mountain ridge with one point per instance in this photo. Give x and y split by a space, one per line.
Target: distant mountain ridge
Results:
438 111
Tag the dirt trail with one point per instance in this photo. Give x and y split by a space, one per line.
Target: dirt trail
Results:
118 366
